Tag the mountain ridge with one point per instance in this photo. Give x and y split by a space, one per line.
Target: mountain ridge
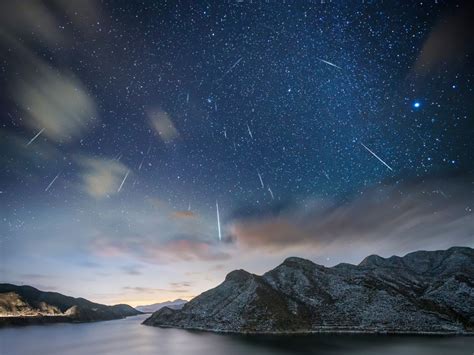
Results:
150 308
421 292
29 305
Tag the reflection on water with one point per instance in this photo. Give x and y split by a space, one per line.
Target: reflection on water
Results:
128 336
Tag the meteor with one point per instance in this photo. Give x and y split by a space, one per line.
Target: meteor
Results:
261 180
233 66
329 63
271 192
52 182
250 132
36 136
218 221
123 181
326 174
375 155
141 164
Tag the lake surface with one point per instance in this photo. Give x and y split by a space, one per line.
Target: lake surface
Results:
128 337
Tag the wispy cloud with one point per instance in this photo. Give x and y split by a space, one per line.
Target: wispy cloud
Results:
161 122
184 214
416 215
161 252
133 270
55 102
151 290
101 177
450 42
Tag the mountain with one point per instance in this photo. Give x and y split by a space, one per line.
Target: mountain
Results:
26 304
176 304
422 292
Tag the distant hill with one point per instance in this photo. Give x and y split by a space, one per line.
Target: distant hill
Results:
422 292
26 304
176 304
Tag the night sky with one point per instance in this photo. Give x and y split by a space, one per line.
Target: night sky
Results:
328 130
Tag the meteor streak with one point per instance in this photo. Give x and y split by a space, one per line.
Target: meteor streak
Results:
52 182
375 155
36 136
250 132
261 180
218 221
271 192
141 164
326 174
233 66
123 181
329 63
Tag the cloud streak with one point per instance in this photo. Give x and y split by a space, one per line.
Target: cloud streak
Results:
416 215
161 122
101 177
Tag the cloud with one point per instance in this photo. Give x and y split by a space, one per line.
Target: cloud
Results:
184 214
56 102
183 284
160 252
151 290
163 125
133 270
449 42
101 177
51 99
149 232
388 218
42 20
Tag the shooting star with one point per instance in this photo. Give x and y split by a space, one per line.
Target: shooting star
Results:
326 174
141 164
225 133
123 181
36 136
232 67
271 192
250 132
329 63
189 206
51 183
218 221
375 155
187 98
261 180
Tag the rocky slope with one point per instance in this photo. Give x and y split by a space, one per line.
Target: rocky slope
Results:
422 292
176 304
25 305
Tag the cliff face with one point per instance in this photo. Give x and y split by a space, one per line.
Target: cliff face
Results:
25 304
420 292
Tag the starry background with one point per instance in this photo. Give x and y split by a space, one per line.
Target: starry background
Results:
151 112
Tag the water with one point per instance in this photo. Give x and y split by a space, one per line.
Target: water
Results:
128 336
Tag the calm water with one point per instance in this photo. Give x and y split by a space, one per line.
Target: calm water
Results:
127 336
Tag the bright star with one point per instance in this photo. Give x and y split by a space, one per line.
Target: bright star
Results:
416 104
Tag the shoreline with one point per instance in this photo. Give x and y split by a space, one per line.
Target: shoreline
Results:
23 321
321 331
